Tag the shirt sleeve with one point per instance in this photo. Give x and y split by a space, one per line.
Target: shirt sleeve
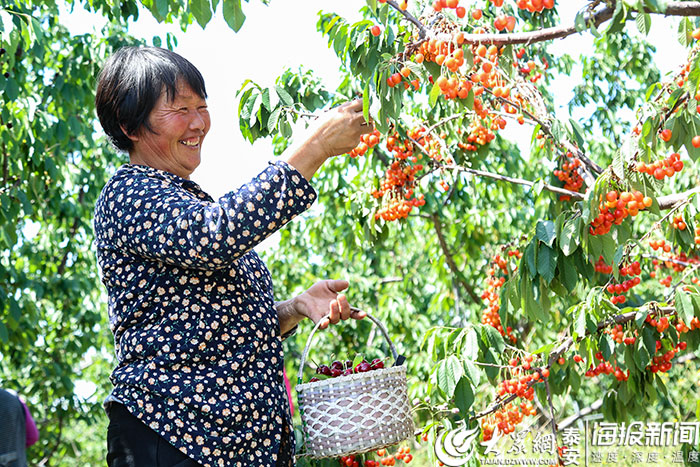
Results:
159 220
32 433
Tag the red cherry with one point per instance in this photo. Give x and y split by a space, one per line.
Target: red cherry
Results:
696 141
666 134
377 363
375 30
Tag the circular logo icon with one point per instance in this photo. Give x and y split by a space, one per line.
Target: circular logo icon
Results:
455 447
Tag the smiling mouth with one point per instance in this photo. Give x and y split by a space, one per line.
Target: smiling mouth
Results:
191 143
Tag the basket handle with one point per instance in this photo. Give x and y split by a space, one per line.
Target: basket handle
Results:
397 358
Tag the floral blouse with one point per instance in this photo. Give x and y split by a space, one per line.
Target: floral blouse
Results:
191 307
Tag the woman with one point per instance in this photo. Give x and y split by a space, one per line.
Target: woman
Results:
197 334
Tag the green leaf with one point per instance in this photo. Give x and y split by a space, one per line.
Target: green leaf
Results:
233 14
531 258
464 396
649 340
643 23
470 349
434 94
365 102
684 306
545 231
201 11
609 248
493 338
580 22
569 238
372 4
568 275
284 95
471 371
449 371
266 99
546 262
272 121
286 129
685 30
357 360
4 335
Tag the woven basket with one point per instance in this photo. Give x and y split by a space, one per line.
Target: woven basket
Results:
355 413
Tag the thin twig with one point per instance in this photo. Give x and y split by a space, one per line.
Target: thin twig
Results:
680 282
450 260
670 260
551 412
564 145
422 31
518 181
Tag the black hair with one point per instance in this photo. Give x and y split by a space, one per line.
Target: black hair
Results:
131 82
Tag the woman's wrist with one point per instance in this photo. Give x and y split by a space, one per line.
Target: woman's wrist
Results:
308 158
288 315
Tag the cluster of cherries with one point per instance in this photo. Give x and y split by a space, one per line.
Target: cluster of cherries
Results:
617 290
602 267
679 222
397 78
491 296
661 363
662 169
570 174
367 141
399 180
339 368
535 6
677 263
507 417
403 454
604 367
460 11
480 135
620 336
616 207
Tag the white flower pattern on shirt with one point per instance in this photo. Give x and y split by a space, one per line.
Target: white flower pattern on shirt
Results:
192 311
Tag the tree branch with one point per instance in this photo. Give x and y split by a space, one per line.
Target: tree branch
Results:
422 31
450 260
551 412
518 181
560 32
667 202
546 127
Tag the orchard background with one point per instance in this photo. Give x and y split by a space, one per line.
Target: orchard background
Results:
526 281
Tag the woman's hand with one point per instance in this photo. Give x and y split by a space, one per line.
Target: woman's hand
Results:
337 131
323 298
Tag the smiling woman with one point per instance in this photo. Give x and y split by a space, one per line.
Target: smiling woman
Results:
197 332
159 129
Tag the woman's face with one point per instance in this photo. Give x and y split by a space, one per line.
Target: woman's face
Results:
179 127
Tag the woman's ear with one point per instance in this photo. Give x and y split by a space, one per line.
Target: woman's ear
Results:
133 136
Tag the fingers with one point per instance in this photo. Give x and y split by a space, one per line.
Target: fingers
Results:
343 306
358 314
338 285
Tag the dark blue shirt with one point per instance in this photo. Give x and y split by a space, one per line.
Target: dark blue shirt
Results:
191 307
